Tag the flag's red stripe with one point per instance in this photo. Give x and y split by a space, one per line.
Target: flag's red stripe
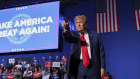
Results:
113 15
106 23
103 22
138 19
110 17
135 20
99 24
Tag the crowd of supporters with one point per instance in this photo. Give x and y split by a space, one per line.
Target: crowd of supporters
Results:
33 71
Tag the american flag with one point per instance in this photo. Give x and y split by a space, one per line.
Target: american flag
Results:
137 14
106 16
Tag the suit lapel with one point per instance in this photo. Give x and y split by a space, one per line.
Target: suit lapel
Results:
90 40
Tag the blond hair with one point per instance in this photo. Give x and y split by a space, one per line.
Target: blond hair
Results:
81 16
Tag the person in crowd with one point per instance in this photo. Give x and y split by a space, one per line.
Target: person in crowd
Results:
4 74
39 68
37 74
1 71
18 73
46 74
55 74
27 73
63 72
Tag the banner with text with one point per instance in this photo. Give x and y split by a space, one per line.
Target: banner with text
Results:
27 28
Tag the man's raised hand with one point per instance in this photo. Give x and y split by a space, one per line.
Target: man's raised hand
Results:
65 24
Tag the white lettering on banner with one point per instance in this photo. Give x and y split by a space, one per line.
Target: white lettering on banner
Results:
7 33
6 25
21 27
33 30
49 19
33 21
26 22
18 49
56 64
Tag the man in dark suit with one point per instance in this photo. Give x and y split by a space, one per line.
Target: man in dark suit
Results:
87 60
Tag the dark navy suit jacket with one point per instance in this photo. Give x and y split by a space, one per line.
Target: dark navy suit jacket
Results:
97 53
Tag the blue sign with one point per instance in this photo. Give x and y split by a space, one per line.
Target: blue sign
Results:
28 28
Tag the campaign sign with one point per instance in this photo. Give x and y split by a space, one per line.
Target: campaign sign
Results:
46 77
48 64
28 28
12 60
64 59
36 74
18 66
10 76
56 64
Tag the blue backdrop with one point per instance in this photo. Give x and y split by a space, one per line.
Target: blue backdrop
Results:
122 47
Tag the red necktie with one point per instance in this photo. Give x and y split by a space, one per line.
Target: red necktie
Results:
84 51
